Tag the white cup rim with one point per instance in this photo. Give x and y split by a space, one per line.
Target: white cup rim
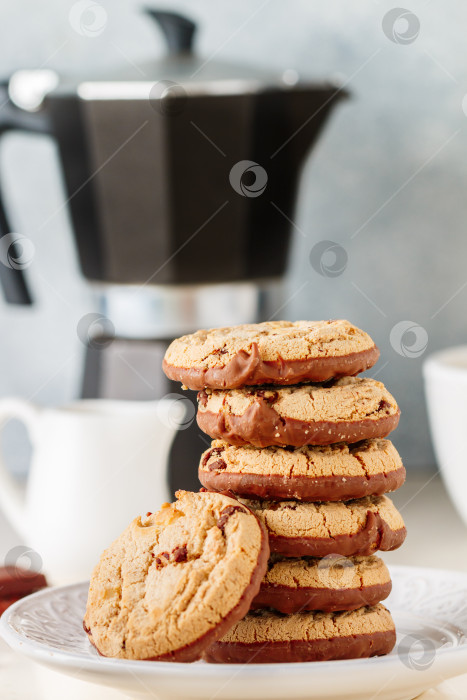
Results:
450 362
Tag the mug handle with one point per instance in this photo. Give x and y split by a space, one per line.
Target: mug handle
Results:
12 491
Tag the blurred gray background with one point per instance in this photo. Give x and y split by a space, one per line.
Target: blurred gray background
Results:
386 184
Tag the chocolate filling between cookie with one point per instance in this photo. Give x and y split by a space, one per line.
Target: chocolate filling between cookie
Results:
248 369
261 426
289 600
301 488
345 647
376 535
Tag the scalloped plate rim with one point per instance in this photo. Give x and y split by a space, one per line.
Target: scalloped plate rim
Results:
61 660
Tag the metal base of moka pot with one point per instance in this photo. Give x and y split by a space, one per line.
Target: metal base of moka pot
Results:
135 325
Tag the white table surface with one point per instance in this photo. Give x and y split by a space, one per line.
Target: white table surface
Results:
436 538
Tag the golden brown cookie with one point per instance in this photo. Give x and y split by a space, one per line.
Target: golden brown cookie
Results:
175 582
337 472
266 636
278 352
348 410
329 584
351 528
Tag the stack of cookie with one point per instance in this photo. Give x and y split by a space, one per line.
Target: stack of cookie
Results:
299 439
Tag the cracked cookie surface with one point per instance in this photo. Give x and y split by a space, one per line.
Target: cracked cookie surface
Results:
359 527
174 582
349 409
280 352
310 473
265 636
330 583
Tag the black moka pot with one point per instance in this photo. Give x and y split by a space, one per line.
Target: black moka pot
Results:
147 164
181 190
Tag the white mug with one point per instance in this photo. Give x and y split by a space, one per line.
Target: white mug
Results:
445 376
96 465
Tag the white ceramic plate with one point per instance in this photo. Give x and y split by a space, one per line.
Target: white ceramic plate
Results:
429 607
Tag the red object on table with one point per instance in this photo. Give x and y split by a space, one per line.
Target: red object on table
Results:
16 582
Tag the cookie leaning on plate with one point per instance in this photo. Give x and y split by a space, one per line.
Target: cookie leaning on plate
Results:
278 352
173 583
345 410
328 584
350 528
265 636
337 472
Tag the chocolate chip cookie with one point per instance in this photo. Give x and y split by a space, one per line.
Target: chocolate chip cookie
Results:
337 472
177 580
360 527
266 636
278 352
348 410
329 584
